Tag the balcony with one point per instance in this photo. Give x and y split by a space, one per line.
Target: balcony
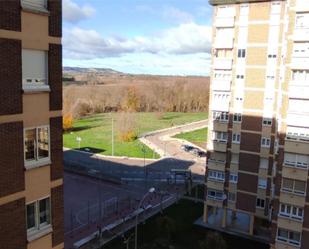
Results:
227 42
220 126
216 165
287 223
225 22
223 63
215 184
301 34
294 146
297 173
221 85
300 63
298 91
292 199
297 119
220 145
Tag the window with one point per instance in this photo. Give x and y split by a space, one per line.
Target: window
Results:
232 197
267 121
236 138
293 186
38 215
221 116
222 75
237 117
36 144
275 7
262 183
233 177
216 175
220 136
240 76
296 160
34 69
244 9
302 21
241 53
265 142
215 194
263 163
289 237
293 212
300 75
260 203
272 56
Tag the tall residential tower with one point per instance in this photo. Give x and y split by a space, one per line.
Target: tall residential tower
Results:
258 141
31 171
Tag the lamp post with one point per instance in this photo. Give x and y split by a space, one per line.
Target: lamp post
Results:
150 191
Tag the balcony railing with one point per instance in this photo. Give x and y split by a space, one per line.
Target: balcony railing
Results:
225 22
221 85
301 34
227 42
223 63
302 6
300 63
301 92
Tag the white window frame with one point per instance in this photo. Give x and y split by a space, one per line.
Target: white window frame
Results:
262 183
260 203
293 191
233 178
220 116
267 122
236 138
30 4
218 195
261 165
295 163
288 240
287 211
215 175
220 136
37 161
39 227
265 142
241 53
237 117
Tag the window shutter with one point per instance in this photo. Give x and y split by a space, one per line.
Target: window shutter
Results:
55 17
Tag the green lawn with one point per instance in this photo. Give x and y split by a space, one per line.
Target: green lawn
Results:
198 137
95 132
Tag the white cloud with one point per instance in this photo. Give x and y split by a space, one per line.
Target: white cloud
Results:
177 15
74 13
188 38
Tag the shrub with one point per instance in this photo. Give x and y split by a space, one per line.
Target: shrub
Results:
128 136
67 122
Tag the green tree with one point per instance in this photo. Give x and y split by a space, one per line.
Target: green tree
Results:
213 240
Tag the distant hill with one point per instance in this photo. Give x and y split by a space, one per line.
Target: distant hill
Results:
99 71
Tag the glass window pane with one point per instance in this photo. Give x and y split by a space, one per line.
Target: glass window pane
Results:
43 142
30 138
44 211
300 186
31 216
287 183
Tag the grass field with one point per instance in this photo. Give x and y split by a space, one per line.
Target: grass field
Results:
96 132
198 137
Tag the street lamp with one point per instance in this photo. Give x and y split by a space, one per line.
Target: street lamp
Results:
150 191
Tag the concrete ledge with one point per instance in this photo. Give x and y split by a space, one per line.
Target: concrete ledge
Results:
222 2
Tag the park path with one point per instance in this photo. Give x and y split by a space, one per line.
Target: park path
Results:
163 143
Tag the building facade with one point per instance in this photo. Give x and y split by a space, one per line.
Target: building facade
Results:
258 138
31 170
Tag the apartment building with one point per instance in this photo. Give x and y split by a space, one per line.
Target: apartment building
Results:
31 170
258 142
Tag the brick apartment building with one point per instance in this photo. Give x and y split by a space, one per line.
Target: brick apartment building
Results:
258 141
31 170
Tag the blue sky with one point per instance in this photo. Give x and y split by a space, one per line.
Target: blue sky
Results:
170 37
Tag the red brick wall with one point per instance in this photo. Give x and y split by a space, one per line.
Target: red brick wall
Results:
55 76
13 233
10 15
57 215
12 177
56 148
10 76
55 18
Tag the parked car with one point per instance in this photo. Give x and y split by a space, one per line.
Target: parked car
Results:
201 154
187 147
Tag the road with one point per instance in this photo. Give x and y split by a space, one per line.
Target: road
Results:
163 143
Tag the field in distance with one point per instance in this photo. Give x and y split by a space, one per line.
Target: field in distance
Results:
95 131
